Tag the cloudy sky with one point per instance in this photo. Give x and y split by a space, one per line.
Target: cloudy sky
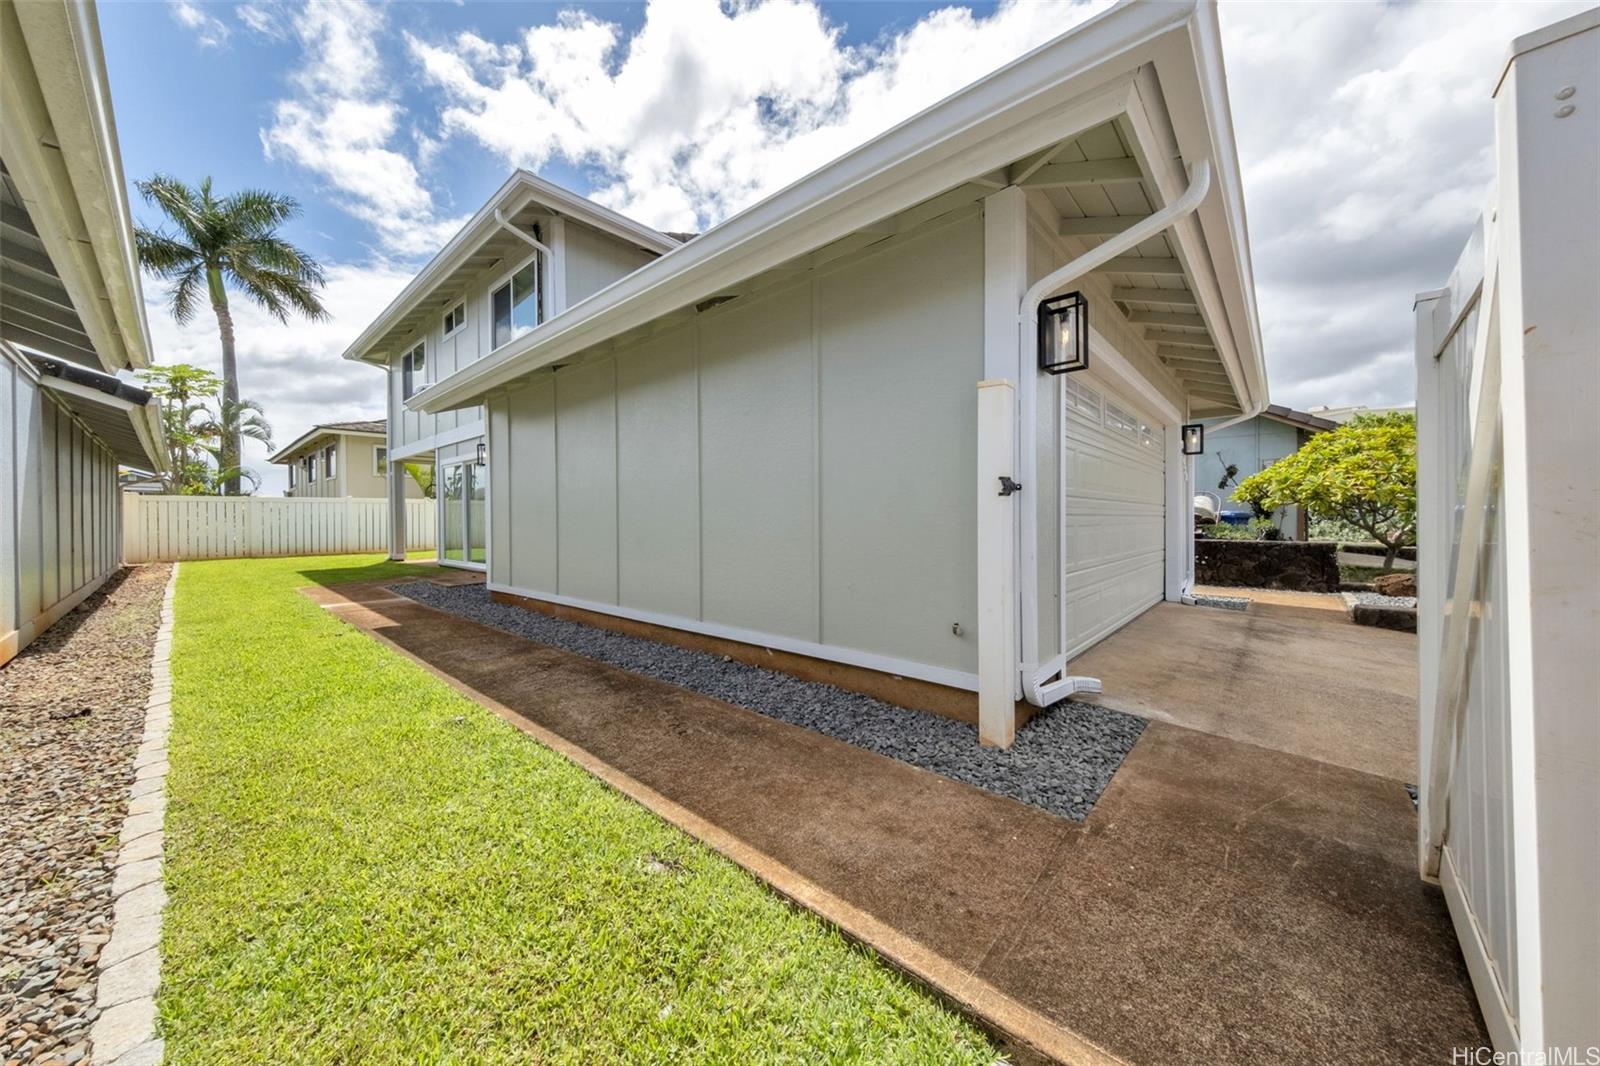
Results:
1364 137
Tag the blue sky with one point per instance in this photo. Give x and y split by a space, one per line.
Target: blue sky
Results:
1364 136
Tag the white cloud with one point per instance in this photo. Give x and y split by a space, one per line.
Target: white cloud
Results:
293 371
341 124
708 107
1365 140
209 30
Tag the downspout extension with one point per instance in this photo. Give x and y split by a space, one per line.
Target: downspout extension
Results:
1036 686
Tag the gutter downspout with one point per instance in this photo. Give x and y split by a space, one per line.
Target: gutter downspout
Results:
549 257
1036 686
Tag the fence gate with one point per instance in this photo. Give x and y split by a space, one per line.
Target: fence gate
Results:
1508 396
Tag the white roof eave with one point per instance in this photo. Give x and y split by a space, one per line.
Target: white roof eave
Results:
1072 83
520 189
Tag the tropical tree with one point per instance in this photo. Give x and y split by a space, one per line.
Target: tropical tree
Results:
197 418
1364 474
422 474
217 244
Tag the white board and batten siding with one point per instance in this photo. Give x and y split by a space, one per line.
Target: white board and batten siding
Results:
213 527
792 468
58 512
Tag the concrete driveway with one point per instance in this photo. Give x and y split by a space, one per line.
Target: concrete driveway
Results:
1223 902
1291 673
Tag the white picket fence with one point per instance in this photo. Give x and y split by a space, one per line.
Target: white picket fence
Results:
213 527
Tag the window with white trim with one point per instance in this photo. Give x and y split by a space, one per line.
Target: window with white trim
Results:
311 469
293 467
330 461
414 371
514 304
454 319
380 461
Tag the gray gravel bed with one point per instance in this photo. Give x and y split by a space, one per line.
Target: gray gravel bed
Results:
1373 599
71 715
1061 760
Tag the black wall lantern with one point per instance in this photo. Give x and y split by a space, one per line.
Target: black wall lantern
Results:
1064 333
1194 439
483 453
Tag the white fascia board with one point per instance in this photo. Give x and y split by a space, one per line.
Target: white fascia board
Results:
1185 99
75 182
1068 85
521 188
144 418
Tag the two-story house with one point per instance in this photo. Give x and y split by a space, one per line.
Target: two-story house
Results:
337 459
532 251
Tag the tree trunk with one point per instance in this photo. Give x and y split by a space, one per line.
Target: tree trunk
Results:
230 381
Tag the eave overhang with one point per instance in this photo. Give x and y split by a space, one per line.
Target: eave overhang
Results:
520 191
1157 67
67 223
123 417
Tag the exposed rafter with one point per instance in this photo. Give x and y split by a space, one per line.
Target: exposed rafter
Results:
1148 264
1091 172
1186 355
1180 340
1098 227
1167 297
1169 319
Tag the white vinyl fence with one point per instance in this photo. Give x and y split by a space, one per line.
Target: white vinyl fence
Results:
214 527
1508 375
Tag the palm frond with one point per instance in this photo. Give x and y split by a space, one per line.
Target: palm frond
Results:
162 255
186 293
258 210
178 202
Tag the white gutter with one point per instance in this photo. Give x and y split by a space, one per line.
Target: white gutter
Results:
1036 686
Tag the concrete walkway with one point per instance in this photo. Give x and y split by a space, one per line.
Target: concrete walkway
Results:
1224 901
1291 673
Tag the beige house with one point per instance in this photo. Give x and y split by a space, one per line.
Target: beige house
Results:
338 459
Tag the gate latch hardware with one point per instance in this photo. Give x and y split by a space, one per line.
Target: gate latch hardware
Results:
1007 486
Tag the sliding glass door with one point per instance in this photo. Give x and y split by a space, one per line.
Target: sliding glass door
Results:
464 499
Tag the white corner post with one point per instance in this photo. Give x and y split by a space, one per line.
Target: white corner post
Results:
1005 279
997 567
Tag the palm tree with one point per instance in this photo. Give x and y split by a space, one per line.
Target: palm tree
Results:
222 243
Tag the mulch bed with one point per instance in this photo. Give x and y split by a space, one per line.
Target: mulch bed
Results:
72 710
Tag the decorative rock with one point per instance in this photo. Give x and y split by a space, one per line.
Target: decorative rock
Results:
1398 584
1267 564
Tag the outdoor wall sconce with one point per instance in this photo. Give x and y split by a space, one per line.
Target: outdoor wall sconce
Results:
483 453
1194 439
1064 333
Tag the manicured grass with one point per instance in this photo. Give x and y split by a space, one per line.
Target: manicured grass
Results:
363 866
1361 574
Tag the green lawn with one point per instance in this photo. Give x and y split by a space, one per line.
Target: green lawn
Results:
363 866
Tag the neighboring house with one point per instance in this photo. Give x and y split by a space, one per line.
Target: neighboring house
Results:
533 250
804 431
342 459
1252 446
71 317
1341 415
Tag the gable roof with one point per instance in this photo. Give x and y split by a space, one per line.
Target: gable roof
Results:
365 427
522 189
1299 419
1158 65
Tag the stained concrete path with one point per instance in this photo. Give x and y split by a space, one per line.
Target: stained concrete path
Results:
1291 673
1224 902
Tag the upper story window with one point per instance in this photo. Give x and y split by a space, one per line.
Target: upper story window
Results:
311 469
454 319
414 372
514 304
292 468
330 462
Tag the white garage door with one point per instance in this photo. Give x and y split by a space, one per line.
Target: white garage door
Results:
1115 545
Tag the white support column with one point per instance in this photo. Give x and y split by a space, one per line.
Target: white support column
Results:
1548 137
1180 515
1005 279
997 570
1435 493
397 508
